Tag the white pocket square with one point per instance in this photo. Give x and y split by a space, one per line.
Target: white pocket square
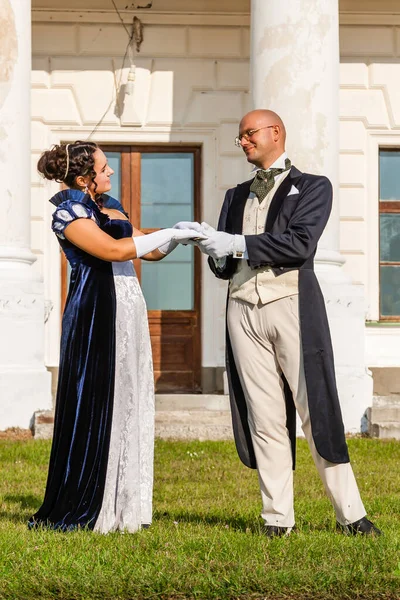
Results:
293 190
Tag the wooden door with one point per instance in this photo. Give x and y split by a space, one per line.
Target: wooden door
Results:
158 186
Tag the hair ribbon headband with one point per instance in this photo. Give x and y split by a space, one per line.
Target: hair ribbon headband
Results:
67 169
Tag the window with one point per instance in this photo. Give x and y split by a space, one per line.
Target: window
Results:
166 181
167 197
389 239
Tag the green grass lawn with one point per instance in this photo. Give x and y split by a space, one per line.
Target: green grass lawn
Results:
205 541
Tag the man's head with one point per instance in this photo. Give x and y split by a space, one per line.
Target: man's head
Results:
262 137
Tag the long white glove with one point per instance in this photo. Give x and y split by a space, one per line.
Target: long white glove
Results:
170 246
147 243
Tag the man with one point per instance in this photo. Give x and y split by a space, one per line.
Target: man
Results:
279 353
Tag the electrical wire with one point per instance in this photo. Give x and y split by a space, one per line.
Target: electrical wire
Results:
117 88
121 19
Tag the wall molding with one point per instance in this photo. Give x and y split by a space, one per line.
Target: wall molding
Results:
210 19
154 18
369 18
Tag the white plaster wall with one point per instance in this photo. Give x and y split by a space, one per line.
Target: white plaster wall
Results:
192 85
369 119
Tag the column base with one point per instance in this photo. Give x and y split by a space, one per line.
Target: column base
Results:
25 384
22 392
345 304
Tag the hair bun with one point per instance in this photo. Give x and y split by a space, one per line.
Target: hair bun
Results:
53 163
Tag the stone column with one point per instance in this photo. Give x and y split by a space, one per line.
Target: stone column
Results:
295 72
24 381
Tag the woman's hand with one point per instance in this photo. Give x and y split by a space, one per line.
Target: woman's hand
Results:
145 244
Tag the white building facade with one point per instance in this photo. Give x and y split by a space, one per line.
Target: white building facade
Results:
332 71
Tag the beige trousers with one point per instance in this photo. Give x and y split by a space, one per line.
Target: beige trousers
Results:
266 342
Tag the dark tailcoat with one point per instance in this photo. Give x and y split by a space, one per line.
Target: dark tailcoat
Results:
294 225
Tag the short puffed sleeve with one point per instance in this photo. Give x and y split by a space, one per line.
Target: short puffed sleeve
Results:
70 211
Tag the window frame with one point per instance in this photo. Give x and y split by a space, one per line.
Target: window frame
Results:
131 195
386 207
185 324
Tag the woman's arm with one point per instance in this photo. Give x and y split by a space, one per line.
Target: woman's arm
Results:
155 255
86 235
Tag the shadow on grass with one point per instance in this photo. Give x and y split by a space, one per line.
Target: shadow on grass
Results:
28 504
237 523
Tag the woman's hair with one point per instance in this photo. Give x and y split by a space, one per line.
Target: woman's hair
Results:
64 163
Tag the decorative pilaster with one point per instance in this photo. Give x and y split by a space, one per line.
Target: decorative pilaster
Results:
24 381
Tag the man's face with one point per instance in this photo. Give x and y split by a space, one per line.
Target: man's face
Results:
260 143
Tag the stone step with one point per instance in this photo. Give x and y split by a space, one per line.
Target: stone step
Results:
194 424
193 417
389 400
43 424
384 417
207 417
385 431
178 416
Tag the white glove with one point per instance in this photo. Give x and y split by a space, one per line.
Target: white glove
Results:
219 244
147 243
170 246
207 229
188 225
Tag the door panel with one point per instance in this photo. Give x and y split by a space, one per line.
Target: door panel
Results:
168 284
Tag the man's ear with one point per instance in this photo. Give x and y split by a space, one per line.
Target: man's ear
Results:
277 133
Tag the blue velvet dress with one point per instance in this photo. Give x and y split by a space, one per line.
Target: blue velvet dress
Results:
101 464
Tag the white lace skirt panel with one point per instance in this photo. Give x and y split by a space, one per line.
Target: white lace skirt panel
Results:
127 501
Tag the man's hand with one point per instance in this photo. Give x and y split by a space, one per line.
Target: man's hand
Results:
207 229
188 225
219 244
179 238
184 235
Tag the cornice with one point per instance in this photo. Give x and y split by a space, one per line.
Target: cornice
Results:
209 19
147 18
370 18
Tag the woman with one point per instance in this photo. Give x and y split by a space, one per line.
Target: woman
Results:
101 463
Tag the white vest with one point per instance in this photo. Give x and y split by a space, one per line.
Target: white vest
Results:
261 285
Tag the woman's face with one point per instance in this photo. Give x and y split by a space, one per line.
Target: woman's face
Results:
103 174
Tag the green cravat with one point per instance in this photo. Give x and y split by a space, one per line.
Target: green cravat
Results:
264 181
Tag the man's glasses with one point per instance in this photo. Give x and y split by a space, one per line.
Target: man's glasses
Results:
248 134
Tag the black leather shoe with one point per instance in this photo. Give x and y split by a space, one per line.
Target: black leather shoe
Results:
275 531
361 527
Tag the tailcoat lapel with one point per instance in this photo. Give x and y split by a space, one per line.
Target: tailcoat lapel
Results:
279 197
239 202
242 193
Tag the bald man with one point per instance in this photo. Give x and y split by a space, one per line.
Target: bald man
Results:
278 347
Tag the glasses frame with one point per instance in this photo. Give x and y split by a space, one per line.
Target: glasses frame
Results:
248 134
